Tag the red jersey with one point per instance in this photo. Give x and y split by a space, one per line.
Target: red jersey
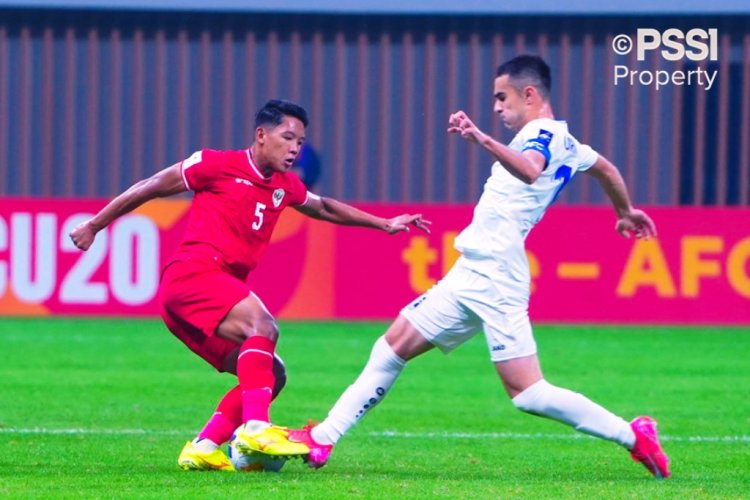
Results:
234 209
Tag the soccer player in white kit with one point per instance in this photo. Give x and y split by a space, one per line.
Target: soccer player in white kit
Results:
488 287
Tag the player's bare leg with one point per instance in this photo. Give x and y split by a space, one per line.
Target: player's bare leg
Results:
405 340
251 325
524 383
388 358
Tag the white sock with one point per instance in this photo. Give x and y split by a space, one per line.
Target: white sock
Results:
204 445
574 409
379 374
255 426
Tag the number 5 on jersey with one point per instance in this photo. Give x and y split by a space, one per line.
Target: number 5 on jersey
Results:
259 208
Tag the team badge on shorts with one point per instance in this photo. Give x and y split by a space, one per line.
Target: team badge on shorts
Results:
278 195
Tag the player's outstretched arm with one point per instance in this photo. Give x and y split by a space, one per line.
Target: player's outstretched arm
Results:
630 221
526 166
166 182
337 212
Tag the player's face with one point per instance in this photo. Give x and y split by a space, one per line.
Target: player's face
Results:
509 104
281 144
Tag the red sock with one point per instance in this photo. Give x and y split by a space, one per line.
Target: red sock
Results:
255 371
226 419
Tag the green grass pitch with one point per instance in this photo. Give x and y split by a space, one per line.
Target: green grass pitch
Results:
101 408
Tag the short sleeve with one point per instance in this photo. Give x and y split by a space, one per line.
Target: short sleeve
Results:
540 144
297 190
586 157
201 169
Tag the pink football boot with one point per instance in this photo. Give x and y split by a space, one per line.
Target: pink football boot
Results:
647 449
319 453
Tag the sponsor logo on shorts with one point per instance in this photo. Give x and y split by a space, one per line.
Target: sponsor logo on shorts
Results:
498 347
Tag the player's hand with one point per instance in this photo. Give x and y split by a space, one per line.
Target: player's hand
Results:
83 235
405 221
460 123
636 223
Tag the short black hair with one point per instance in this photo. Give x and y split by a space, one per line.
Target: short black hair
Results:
528 70
274 111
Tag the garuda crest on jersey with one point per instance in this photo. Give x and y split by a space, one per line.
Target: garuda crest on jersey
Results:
278 195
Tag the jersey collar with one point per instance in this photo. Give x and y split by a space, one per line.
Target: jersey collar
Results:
255 167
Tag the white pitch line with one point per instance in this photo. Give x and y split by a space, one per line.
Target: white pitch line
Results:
107 432
384 434
553 437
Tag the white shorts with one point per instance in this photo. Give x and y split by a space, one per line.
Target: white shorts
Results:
464 303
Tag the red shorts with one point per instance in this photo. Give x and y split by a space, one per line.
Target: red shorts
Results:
196 295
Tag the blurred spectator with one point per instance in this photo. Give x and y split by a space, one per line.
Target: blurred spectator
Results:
307 166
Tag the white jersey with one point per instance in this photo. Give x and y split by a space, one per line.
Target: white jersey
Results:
509 207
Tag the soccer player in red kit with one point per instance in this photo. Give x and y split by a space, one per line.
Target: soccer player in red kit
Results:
206 301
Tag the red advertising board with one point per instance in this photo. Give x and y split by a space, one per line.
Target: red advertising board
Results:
696 272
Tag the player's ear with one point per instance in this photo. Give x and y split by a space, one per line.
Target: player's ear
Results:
260 135
528 94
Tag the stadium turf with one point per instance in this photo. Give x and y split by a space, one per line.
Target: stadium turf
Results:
101 408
